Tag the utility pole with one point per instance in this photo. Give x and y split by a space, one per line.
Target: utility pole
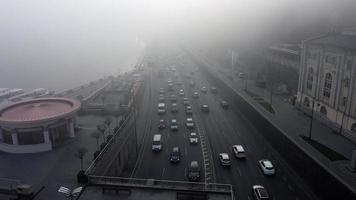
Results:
311 120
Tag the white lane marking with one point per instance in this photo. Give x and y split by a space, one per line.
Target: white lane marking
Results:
238 169
164 169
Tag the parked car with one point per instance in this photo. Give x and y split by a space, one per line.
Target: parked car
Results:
204 89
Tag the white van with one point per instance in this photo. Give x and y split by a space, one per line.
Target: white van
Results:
157 143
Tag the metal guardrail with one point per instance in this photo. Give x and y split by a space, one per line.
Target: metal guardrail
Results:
108 145
161 184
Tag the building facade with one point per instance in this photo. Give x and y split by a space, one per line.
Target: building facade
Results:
287 55
327 80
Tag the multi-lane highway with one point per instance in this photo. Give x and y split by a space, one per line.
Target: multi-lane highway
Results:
218 130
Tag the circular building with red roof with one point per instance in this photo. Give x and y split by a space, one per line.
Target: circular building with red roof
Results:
37 125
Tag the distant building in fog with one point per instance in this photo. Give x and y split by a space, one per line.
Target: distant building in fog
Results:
327 80
287 55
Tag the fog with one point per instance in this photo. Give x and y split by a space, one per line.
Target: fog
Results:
61 44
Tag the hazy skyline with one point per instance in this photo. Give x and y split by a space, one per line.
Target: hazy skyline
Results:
61 44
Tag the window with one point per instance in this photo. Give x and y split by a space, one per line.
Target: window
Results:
353 127
348 65
310 79
323 110
344 101
346 82
330 59
306 101
327 85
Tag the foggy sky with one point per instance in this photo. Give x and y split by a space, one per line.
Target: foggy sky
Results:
63 43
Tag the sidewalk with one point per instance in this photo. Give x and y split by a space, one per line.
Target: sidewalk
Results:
287 117
294 121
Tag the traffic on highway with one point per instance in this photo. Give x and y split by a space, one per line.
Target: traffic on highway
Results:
193 133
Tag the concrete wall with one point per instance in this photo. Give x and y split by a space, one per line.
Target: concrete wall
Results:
324 183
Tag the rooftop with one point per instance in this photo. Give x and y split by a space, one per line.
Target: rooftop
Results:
343 40
38 109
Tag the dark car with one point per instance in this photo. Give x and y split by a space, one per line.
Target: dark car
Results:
194 171
214 90
175 155
224 104
205 108
161 124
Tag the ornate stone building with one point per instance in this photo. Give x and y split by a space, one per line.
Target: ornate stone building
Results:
327 80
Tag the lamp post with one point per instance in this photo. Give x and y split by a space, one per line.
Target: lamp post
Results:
345 81
311 120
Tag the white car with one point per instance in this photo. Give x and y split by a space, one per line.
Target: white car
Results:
225 159
181 93
238 151
189 123
195 95
204 89
174 125
266 167
193 139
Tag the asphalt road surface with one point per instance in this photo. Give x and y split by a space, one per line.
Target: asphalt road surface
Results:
221 129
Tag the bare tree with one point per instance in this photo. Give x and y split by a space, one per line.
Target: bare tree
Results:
96 136
107 122
102 128
81 151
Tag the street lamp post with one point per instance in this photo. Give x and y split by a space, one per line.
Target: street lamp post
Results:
311 120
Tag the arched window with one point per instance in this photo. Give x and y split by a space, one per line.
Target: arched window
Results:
310 78
323 110
353 127
306 101
327 85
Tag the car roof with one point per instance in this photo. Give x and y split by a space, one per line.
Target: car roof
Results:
189 119
193 134
239 148
262 192
267 163
205 105
194 164
173 120
224 155
175 149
